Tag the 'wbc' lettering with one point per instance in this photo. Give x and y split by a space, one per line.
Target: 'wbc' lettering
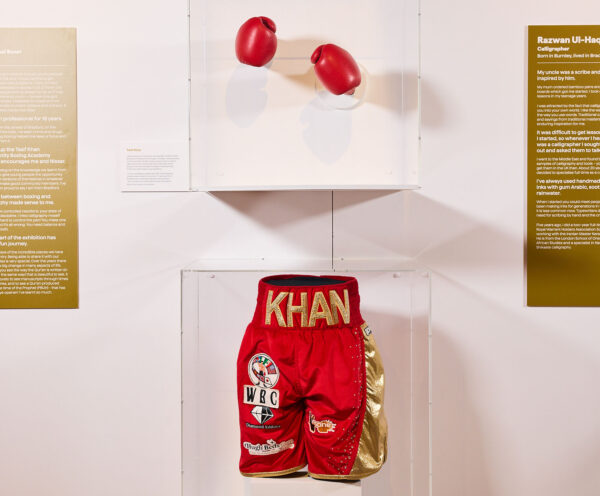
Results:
254 395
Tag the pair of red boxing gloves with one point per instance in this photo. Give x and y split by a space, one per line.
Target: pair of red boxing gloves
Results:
256 43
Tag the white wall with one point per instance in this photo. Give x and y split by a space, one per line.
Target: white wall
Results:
89 399
516 410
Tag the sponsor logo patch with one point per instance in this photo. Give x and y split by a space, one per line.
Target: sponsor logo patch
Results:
320 426
270 448
262 414
262 371
254 395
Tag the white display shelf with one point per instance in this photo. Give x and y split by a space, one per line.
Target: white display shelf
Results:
312 187
273 128
301 486
218 300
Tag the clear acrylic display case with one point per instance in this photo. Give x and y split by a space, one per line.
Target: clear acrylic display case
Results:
276 128
218 302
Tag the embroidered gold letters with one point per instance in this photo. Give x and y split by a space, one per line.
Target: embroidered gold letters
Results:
273 306
325 313
302 309
319 309
336 304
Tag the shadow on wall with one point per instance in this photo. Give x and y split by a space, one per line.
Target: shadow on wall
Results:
429 233
388 225
246 94
327 132
533 412
420 228
274 209
460 466
396 91
408 437
433 110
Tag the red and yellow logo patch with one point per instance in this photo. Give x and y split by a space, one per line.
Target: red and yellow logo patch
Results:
320 426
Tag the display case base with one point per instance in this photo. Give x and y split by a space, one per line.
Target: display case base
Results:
301 485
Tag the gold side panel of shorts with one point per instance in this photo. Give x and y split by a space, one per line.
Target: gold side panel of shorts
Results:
372 447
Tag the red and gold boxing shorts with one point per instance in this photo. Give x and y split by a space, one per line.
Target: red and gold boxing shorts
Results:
310 382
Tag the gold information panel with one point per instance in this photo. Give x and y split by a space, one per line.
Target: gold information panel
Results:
38 168
563 166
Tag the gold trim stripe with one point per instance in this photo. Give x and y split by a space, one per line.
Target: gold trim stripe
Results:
372 447
350 477
273 474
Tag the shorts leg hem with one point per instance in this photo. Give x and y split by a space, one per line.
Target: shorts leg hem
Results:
349 477
273 474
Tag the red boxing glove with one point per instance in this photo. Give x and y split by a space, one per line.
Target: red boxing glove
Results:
336 69
256 42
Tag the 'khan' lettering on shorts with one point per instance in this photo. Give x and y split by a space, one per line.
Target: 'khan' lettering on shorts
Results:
310 312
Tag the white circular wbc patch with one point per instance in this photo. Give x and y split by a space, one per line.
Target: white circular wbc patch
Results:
262 371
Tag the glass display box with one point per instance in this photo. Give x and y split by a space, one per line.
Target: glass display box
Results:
275 127
218 301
